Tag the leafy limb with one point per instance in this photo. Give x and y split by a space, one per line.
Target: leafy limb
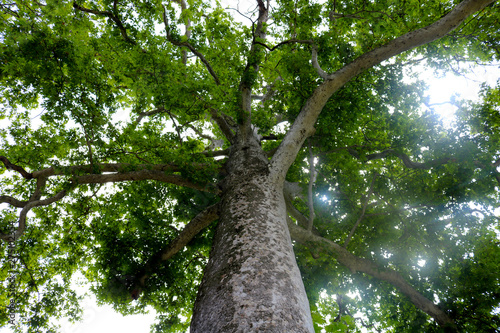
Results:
363 211
26 208
190 47
110 15
406 160
303 126
198 223
116 172
19 169
357 264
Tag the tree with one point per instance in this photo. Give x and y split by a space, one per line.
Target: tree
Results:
289 151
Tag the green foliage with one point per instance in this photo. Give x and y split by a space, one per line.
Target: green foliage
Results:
104 86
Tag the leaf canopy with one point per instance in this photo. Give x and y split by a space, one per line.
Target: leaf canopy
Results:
149 91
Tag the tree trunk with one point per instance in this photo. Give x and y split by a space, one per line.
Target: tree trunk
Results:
252 282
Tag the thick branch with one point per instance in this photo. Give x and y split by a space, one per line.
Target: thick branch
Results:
13 201
11 166
121 173
109 167
149 113
406 160
142 175
286 42
249 75
27 208
303 125
198 223
219 119
356 264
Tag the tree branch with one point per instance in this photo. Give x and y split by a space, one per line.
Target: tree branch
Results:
363 211
161 109
249 75
187 33
13 201
109 167
286 42
312 180
27 208
303 125
314 60
219 119
143 175
190 47
290 191
10 166
357 264
406 160
121 172
112 16
198 223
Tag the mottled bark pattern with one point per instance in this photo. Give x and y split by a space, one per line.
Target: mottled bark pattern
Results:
252 282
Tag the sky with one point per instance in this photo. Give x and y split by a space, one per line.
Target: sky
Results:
104 319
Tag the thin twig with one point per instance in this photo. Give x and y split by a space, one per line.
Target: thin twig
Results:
190 47
362 211
312 179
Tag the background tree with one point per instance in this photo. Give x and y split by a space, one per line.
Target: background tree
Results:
165 130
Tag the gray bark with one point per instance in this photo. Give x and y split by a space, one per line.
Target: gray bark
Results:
252 282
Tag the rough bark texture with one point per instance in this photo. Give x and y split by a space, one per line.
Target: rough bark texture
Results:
252 282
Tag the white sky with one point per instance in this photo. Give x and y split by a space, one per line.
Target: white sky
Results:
104 319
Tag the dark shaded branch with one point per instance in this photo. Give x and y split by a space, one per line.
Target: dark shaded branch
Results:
27 208
121 172
220 119
11 166
143 175
198 223
357 264
13 201
40 186
225 128
110 15
286 42
149 113
110 167
406 160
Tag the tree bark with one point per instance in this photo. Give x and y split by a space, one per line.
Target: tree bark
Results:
252 282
